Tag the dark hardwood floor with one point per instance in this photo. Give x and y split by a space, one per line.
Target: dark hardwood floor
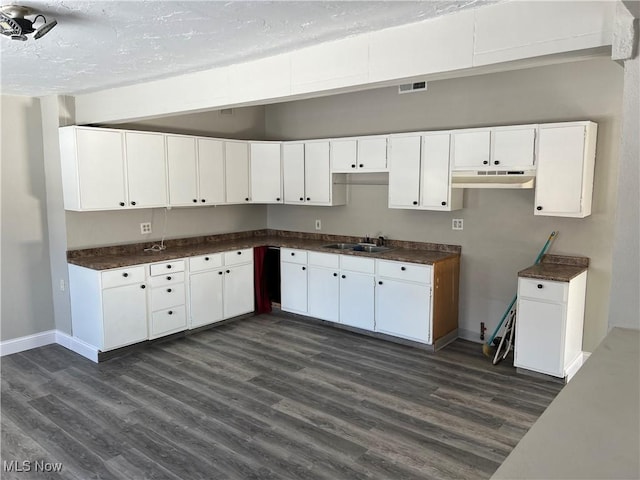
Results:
267 397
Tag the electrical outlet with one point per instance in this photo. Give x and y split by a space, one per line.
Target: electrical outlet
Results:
318 225
62 285
145 228
457 224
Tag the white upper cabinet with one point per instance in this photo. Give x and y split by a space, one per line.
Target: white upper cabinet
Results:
146 169
318 180
183 170
266 172
293 173
93 168
236 167
471 149
419 174
496 148
211 188
367 154
566 160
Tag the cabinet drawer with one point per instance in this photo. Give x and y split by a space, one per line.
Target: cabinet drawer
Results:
410 272
170 278
328 260
123 276
237 257
165 297
168 321
291 255
357 264
205 262
164 267
543 289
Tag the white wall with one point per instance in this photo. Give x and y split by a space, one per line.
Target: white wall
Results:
501 234
26 282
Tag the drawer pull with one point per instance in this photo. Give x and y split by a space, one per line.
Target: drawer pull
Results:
143 286
195 200
304 268
168 290
122 204
403 268
206 259
293 254
204 200
380 282
125 274
239 253
540 285
308 199
170 312
220 273
168 278
361 165
344 276
168 266
415 203
301 199
228 271
353 165
335 274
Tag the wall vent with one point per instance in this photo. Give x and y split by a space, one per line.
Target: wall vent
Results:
412 87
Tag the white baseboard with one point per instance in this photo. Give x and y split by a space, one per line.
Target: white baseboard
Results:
576 365
41 339
28 342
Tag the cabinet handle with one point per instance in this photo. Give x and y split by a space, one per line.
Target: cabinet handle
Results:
361 165
444 204
380 282
335 274
403 268
203 200
485 162
415 202
539 208
540 285
239 253
125 274
195 200
206 259
344 276
170 312
168 266
302 199
246 199
168 290
278 199
122 204
143 286
228 271
219 273
308 199
353 165
133 203
304 268
293 254
497 162
168 278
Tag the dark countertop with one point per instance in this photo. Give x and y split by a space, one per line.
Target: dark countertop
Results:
559 268
104 258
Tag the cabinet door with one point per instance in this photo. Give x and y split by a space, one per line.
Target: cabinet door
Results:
471 150
403 309
293 287
210 171
540 337
238 293
236 168
181 159
146 169
124 312
206 297
404 172
436 184
100 169
513 147
372 154
324 288
293 172
560 171
357 300
266 173
317 175
343 155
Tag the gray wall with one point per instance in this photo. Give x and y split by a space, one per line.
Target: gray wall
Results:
501 235
26 282
89 229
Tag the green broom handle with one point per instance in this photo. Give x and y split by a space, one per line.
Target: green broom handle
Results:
513 301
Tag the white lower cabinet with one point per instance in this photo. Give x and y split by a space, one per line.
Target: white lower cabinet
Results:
403 300
293 280
108 308
237 290
324 286
167 302
549 325
357 291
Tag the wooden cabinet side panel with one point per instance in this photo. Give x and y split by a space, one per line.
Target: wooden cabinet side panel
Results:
86 305
69 167
446 280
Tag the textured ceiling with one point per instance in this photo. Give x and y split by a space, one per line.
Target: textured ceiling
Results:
103 44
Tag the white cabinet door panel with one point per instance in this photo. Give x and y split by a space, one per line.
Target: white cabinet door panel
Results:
343 155
238 290
168 321
403 309
206 297
211 171
324 287
293 279
293 172
237 172
124 316
357 300
404 172
181 160
146 169
266 179
372 154
435 171
317 174
101 169
513 147
471 149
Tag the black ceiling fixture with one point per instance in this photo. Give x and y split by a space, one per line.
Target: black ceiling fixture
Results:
14 24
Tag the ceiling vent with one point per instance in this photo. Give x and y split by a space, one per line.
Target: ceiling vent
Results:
13 23
412 87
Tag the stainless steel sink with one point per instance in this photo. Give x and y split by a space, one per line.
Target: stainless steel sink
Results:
342 246
356 247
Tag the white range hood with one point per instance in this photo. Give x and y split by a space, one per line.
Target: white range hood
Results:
493 179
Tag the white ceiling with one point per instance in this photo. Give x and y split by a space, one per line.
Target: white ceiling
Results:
103 44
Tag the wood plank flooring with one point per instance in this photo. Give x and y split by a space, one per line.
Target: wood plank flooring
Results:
269 397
